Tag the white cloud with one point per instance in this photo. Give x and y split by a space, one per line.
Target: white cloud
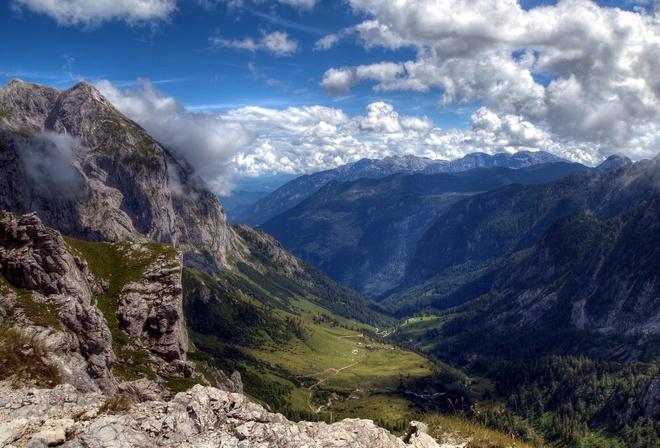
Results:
376 34
305 140
339 81
277 43
94 12
289 121
207 141
580 71
252 141
303 4
48 162
327 42
381 117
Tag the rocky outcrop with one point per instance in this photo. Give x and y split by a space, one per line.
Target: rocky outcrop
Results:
78 338
150 310
203 416
93 174
35 258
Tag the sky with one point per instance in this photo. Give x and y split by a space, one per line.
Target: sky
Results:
248 88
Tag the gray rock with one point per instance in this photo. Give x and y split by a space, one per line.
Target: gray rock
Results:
36 258
78 340
151 309
201 417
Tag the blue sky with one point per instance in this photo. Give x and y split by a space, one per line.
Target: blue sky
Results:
256 87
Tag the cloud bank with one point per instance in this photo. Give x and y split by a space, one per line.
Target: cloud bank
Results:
585 73
48 162
94 12
254 141
207 141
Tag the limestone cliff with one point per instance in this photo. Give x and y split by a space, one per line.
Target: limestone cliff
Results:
54 309
91 173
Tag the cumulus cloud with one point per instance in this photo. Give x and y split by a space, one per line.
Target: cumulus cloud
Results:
339 81
301 140
207 141
307 139
253 141
582 72
277 43
94 12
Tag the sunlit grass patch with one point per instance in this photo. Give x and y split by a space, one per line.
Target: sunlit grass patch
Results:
457 429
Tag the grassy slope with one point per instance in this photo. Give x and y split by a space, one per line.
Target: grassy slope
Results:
295 355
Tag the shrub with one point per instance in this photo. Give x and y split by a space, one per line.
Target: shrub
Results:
23 359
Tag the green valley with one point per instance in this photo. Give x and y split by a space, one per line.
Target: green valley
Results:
300 352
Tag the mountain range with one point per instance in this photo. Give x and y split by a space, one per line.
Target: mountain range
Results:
534 287
364 233
295 191
579 254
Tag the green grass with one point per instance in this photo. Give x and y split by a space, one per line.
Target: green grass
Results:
456 429
300 365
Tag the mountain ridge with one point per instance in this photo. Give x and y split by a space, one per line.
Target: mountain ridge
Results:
292 193
364 233
77 153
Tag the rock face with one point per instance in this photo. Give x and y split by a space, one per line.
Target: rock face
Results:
150 309
35 258
78 339
201 417
613 283
91 173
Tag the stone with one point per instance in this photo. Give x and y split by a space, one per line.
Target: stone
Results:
200 417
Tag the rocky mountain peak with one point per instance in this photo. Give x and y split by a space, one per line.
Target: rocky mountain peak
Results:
26 105
83 112
91 173
613 162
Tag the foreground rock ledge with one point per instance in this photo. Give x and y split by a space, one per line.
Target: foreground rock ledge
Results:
200 417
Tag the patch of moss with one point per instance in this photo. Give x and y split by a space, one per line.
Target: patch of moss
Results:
39 313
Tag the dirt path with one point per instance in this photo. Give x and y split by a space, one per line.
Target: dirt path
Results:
319 382
359 335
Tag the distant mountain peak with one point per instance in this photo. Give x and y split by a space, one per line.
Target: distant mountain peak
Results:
303 187
612 163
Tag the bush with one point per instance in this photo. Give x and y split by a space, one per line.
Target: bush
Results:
116 404
23 359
